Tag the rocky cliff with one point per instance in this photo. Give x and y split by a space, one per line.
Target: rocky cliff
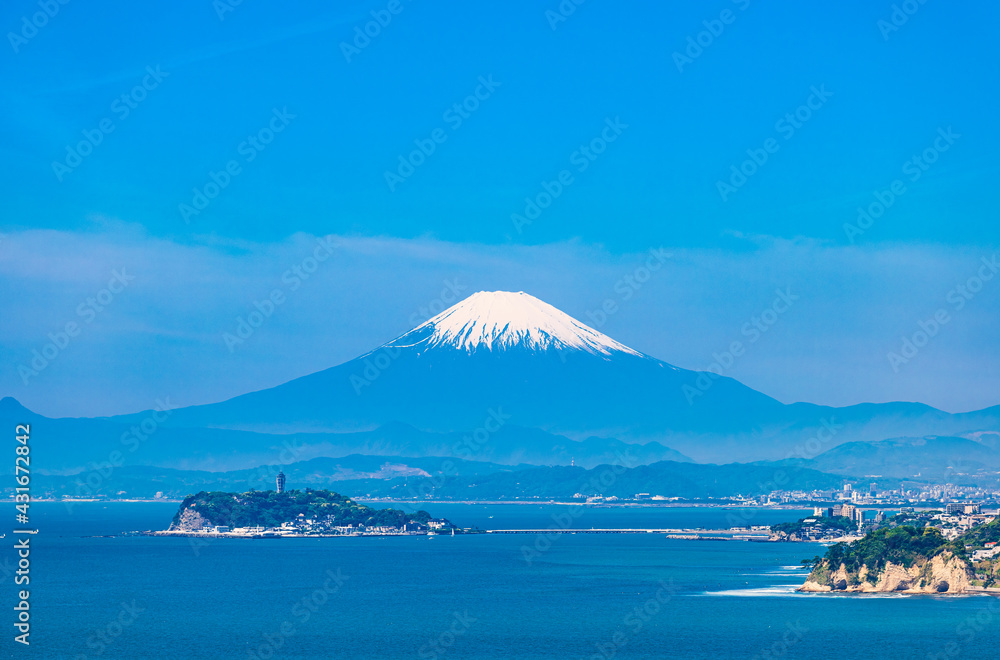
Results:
188 520
945 573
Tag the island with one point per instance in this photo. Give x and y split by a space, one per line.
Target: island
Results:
907 557
272 514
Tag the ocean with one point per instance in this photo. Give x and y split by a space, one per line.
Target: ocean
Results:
474 596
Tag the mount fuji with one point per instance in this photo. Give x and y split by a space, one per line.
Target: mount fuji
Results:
501 358
494 351
501 321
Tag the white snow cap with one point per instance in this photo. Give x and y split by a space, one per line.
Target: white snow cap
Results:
499 320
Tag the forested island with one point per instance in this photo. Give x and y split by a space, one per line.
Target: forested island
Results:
294 512
909 558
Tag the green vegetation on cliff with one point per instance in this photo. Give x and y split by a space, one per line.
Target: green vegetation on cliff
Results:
923 561
906 546
270 509
902 546
977 537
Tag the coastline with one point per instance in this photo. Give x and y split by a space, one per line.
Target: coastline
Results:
608 505
693 504
974 591
604 505
83 500
230 535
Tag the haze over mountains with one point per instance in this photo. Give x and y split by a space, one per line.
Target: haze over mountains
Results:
500 378
933 458
413 478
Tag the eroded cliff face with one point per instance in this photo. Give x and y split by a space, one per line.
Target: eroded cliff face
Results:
189 520
944 574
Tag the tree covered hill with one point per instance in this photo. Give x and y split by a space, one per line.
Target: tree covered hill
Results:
270 509
977 537
902 546
894 559
905 544
910 558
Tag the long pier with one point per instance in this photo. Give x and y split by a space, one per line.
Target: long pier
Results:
726 534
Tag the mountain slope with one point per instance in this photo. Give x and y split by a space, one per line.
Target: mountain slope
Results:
415 478
499 351
500 360
490 352
69 445
934 458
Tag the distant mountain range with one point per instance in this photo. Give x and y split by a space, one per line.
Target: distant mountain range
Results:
545 370
890 462
409 478
145 481
935 459
505 378
69 445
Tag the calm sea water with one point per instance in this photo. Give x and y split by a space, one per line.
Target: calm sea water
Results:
579 596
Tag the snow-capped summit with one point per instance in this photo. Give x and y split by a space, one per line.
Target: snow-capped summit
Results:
501 320
508 359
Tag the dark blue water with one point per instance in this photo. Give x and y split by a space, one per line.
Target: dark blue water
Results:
544 516
579 596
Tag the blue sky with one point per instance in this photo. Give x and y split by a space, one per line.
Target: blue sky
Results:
887 96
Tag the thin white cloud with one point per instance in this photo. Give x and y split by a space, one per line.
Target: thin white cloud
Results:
164 333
